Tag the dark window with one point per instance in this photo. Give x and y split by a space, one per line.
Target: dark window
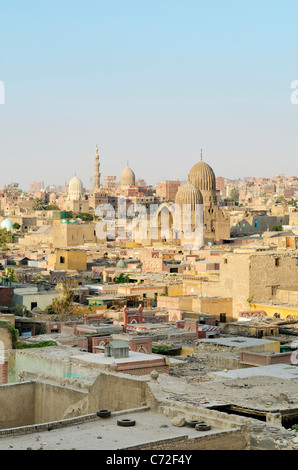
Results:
33 305
277 261
62 260
222 318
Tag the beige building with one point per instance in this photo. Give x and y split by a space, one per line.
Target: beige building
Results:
73 234
70 260
248 278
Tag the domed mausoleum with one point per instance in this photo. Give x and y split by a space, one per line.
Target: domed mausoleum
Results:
7 223
75 189
190 195
127 177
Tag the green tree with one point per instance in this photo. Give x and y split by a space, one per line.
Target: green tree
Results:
37 204
10 275
277 228
21 311
51 207
16 226
122 279
63 305
234 195
85 216
6 236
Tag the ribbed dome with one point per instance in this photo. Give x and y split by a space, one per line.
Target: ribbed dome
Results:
202 176
6 223
75 189
188 194
127 177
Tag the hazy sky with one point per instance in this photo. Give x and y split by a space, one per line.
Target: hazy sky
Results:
151 82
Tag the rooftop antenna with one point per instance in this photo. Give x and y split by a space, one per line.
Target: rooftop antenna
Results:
201 155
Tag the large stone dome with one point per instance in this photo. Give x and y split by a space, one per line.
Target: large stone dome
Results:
127 177
188 194
75 189
202 176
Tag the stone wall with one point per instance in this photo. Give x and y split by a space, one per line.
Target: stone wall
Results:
40 401
117 392
5 339
257 359
53 402
17 405
226 440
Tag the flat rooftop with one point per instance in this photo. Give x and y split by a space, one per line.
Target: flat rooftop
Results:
282 371
103 434
100 358
239 342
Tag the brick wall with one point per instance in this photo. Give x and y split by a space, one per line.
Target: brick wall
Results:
191 325
258 359
80 342
143 345
99 340
6 296
97 318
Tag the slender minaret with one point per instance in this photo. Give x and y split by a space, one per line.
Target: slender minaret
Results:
96 172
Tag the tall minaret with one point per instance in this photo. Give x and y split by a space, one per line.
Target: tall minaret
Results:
96 172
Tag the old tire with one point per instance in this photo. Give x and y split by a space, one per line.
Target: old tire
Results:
203 427
126 422
104 413
193 422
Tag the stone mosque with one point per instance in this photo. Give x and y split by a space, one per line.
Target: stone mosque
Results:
200 189
127 178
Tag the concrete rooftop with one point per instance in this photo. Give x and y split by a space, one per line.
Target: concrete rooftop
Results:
103 434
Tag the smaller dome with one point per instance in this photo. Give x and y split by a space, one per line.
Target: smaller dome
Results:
188 194
127 177
75 189
6 223
121 264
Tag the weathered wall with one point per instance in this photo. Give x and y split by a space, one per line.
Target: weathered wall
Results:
55 402
117 392
288 296
17 404
5 339
228 440
39 401
271 272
